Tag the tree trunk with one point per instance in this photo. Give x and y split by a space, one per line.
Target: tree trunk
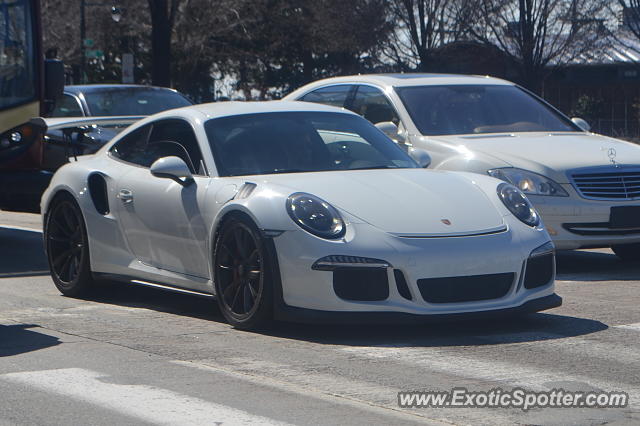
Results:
160 43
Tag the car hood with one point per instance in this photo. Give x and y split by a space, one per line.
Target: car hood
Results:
550 154
405 202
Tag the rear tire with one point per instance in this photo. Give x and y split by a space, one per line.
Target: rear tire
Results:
627 252
243 275
65 237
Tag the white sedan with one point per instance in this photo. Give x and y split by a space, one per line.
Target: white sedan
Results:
585 186
294 211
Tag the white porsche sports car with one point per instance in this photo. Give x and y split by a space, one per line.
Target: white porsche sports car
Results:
294 211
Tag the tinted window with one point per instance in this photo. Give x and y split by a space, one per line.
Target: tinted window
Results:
67 106
294 142
332 95
465 109
176 137
373 105
17 53
133 147
114 101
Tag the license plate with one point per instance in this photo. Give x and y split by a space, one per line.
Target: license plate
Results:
625 217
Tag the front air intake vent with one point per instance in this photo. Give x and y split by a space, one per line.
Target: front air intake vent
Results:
539 271
401 284
365 284
465 289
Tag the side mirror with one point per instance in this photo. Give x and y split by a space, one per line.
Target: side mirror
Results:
581 123
421 156
173 168
390 129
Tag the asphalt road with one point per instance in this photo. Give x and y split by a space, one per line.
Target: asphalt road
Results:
141 356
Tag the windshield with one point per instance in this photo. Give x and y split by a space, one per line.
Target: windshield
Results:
17 53
464 109
109 102
294 142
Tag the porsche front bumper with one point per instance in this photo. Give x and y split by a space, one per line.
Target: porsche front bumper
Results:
470 271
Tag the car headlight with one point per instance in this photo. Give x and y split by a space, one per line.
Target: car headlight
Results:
518 204
529 182
315 215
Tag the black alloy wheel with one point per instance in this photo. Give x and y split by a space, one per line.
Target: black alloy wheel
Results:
242 275
67 247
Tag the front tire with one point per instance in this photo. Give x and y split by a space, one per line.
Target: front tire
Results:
627 252
65 237
243 275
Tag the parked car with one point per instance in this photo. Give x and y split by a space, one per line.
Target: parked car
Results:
83 120
585 186
129 102
294 211
116 100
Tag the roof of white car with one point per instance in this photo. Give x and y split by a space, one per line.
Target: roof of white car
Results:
408 79
222 109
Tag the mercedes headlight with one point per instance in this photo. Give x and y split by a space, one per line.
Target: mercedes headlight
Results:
518 204
528 182
315 215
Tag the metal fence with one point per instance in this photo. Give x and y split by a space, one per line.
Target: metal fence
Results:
623 129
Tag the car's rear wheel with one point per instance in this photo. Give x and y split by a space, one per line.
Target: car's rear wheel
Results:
65 236
627 252
243 275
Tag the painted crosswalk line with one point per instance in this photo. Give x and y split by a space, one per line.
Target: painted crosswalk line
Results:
494 371
146 403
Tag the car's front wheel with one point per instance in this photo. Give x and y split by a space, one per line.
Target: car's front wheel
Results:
243 275
627 252
65 236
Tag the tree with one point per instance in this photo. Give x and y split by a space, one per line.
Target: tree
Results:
286 43
267 46
631 15
60 23
538 34
423 26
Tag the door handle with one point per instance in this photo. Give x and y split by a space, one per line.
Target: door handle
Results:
126 196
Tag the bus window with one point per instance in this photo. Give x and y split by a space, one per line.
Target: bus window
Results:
17 53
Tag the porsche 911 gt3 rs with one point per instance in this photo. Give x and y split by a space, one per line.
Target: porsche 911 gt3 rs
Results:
294 211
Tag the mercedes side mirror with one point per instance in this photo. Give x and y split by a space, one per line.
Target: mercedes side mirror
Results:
581 123
173 168
390 129
421 156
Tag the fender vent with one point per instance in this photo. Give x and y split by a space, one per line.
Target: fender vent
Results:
245 190
98 191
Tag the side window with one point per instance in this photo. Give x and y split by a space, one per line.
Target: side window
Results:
176 138
67 106
332 95
373 105
133 147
